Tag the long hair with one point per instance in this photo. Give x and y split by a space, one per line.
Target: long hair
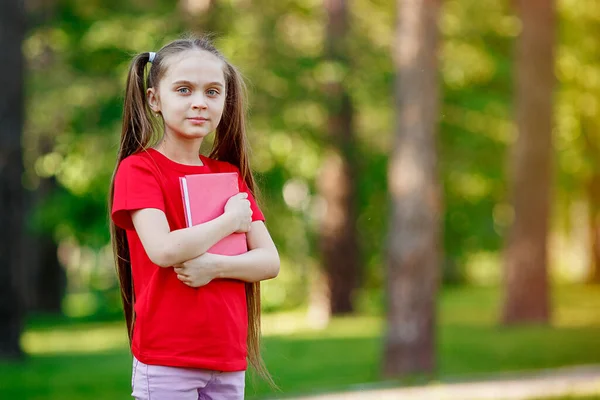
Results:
230 144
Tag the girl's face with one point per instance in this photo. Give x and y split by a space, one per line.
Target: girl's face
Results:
191 95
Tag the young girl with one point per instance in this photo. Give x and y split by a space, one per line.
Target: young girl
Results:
193 317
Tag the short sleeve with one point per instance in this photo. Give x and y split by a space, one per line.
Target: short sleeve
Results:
257 214
136 187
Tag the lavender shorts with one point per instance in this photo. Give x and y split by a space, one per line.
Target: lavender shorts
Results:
155 382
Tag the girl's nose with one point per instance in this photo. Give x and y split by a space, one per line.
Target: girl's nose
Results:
199 102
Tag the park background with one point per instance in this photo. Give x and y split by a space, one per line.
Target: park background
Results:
334 89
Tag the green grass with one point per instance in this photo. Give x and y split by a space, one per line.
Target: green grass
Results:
90 360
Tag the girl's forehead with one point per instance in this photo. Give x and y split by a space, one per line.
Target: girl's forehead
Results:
194 65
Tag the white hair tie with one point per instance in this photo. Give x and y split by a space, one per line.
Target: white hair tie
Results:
152 56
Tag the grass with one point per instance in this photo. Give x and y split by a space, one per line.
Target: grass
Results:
81 360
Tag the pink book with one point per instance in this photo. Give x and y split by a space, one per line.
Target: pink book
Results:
204 198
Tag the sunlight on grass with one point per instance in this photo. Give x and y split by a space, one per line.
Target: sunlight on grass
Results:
88 338
295 323
577 306
284 323
573 306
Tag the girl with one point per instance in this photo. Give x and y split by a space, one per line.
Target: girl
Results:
196 314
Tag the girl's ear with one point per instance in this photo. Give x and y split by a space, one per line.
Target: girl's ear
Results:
153 100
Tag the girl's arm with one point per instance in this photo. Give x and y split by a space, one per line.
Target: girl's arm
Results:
261 262
166 248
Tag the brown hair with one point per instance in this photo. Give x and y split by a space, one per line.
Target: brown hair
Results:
230 144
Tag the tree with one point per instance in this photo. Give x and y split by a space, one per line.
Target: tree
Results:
336 183
46 280
414 241
12 32
594 227
526 277
592 186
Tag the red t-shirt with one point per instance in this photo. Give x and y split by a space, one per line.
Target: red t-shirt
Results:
177 325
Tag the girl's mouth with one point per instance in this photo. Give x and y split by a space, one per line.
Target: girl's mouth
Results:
198 120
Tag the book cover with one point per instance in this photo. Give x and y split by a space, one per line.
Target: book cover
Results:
204 198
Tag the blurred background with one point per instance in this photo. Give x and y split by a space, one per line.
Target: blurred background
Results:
429 171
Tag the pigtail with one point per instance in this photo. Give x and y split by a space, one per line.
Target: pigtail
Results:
137 130
137 127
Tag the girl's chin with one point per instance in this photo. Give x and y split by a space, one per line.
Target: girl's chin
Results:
192 135
198 135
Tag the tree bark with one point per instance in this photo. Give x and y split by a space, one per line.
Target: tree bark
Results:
414 241
338 231
51 282
526 277
46 279
594 227
589 132
12 32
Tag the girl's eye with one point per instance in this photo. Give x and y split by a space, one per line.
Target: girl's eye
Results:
183 90
213 92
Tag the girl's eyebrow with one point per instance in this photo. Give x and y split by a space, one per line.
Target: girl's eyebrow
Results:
185 82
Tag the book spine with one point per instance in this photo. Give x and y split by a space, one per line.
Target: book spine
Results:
186 201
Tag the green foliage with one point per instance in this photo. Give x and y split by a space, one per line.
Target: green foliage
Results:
475 126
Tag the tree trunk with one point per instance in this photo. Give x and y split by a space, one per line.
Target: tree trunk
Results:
526 277
12 32
338 231
51 282
414 241
589 132
594 227
46 278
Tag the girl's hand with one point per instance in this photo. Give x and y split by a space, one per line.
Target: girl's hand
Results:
238 206
198 271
